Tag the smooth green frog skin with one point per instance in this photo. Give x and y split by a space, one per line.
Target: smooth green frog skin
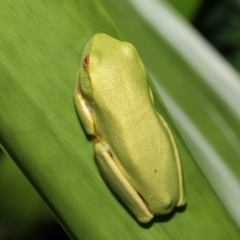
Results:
135 149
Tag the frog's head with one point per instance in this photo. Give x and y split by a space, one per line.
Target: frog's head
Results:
109 69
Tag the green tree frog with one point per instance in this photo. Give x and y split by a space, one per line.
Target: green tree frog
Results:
134 146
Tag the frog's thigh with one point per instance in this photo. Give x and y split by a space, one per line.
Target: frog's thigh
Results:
182 199
120 184
83 110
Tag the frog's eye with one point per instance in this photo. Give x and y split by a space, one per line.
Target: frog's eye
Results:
85 61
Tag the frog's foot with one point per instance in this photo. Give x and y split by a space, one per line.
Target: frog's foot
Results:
120 184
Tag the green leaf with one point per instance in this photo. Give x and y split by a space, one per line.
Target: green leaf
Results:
187 8
21 208
41 43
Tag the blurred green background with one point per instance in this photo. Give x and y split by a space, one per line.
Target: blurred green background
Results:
206 114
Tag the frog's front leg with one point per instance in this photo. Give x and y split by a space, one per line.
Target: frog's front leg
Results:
83 108
120 184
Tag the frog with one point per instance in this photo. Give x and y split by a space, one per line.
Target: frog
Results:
135 149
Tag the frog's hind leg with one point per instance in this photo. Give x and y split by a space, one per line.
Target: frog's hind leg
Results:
120 184
182 199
